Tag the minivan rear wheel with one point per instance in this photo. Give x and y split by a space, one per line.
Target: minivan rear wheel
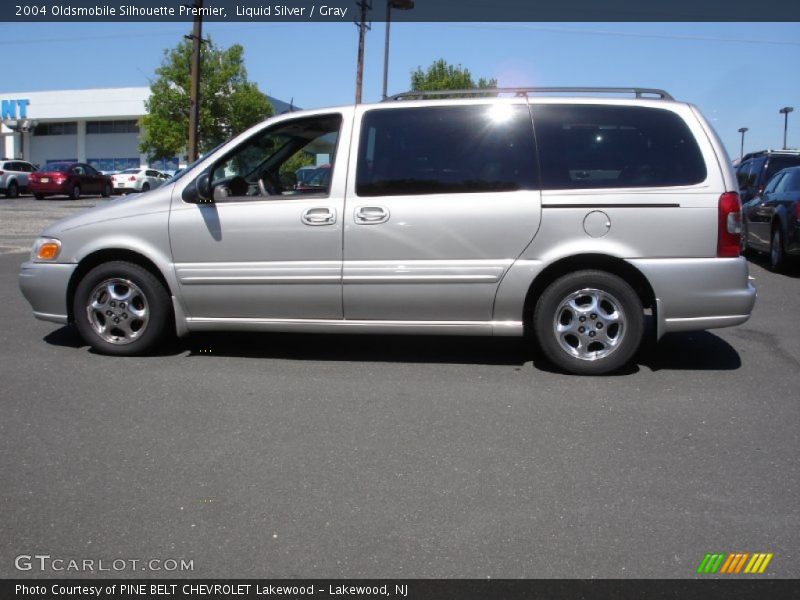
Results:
121 309
589 322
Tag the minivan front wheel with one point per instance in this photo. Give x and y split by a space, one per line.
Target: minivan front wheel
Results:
121 309
589 322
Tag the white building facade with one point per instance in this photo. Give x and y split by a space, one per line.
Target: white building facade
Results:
95 126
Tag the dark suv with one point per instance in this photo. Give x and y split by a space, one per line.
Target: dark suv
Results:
757 168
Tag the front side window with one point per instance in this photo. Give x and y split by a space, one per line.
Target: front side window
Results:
445 150
594 146
266 164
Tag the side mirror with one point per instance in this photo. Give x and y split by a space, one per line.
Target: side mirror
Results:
199 192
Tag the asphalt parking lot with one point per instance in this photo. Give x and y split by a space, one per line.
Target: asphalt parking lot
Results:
348 456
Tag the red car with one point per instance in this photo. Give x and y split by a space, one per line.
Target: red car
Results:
69 179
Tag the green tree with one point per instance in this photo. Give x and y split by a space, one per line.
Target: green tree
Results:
229 103
443 76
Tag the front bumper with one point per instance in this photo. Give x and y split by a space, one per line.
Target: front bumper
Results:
44 286
699 293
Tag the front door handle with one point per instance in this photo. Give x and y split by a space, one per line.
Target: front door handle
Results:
371 215
319 216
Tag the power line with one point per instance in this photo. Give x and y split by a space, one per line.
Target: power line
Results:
666 36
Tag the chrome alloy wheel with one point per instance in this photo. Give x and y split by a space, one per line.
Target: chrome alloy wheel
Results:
589 324
117 311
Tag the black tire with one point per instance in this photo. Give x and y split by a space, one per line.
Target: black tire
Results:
150 296
777 256
106 191
614 341
39 196
145 187
12 191
75 192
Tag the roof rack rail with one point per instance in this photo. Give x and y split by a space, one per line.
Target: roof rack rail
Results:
525 91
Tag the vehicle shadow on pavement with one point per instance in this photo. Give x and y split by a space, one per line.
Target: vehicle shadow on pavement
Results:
695 351
791 269
363 348
698 351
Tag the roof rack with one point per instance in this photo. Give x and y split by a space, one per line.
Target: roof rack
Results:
525 91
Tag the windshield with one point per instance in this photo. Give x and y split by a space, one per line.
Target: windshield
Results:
130 171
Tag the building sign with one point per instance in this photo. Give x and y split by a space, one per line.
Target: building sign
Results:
14 109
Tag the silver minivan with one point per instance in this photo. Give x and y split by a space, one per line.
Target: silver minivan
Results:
568 216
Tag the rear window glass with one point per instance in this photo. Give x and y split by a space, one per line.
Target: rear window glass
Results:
778 163
58 167
446 149
588 146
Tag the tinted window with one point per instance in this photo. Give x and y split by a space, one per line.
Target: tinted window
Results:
743 174
778 163
62 167
586 146
450 149
793 183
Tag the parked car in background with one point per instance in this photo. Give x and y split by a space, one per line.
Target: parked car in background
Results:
69 179
140 179
14 177
316 181
441 216
303 174
771 220
757 168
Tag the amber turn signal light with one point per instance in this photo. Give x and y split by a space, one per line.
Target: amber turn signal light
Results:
46 249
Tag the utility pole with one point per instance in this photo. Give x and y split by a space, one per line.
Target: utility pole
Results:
398 5
785 112
194 87
742 130
363 26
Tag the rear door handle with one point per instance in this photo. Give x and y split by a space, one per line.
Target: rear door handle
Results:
319 216
371 215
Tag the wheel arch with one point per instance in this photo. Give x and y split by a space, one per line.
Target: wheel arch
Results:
590 261
98 257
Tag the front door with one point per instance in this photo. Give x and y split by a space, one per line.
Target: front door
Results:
441 200
265 249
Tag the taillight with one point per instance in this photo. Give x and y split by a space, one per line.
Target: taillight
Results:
132 178
797 209
2 172
729 225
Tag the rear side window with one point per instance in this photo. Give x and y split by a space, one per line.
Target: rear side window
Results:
793 185
446 149
790 182
778 163
588 146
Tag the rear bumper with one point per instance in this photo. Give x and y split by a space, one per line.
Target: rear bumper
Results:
49 188
44 286
699 293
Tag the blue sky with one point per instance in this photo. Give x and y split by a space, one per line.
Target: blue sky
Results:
739 74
